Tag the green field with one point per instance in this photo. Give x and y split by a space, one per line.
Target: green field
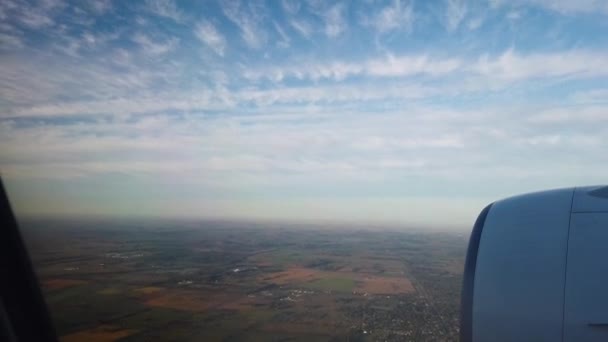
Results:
332 284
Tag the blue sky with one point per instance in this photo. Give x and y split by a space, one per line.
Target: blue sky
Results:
411 112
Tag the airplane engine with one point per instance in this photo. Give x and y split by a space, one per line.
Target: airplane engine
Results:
537 269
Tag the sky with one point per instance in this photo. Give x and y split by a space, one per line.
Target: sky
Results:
409 112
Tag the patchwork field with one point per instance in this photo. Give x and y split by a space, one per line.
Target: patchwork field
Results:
293 275
214 281
196 301
340 281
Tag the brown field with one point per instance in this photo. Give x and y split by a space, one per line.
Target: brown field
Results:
102 333
294 275
180 300
375 266
149 290
56 284
371 284
240 304
198 302
261 260
384 285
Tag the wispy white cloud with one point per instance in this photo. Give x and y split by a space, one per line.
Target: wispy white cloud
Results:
165 8
302 26
30 82
591 96
101 6
10 41
585 114
52 4
125 106
35 19
93 40
285 40
205 99
389 66
291 6
475 23
509 66
368 146
455 12
152 47
567 6
335 24
397 15
33 89
514 15
334 94
5 8
206 32
306 71
411 65
246 18
517 66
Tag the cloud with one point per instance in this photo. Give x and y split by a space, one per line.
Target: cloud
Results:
517 66
509 66
10 42
569 7
206 32
389 66
456 11
475 23
572 115
30 82
335 94
35 19
249 151
96 40
302 26
591 96
411 65
335 23
514 15
397 16
101 6
28 16
285 40
32 90
165 8
151 47
201 100
247 18
202 145
291 6
123 106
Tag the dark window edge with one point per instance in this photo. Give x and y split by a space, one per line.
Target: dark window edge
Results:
26 317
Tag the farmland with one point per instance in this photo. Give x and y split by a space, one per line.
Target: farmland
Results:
231 281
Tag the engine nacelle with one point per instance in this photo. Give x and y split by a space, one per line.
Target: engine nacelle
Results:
537 269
